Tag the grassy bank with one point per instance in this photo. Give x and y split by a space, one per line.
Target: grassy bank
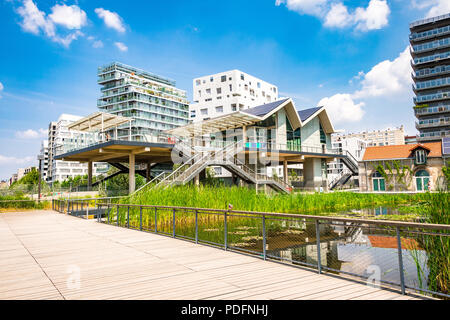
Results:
14 203
248 200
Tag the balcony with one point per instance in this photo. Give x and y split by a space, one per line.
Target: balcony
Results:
432 97
427 136
435 83
429 34
433 123
431 72
430 46
426 110
432 58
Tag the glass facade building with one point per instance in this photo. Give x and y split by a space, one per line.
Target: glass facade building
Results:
153 102
430 51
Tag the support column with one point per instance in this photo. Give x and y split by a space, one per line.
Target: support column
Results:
147 172
131 170
312 173
285 171
89 175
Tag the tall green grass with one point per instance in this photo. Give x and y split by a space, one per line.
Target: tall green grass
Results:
21 202
249 200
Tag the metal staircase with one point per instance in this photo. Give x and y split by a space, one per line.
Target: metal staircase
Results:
224 157
352 164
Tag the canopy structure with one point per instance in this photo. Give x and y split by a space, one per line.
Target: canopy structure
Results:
230 121
98 121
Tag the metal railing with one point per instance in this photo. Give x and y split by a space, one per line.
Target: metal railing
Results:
395 252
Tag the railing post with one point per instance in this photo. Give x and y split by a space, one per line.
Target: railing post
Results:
140 218
400 260
173 223
156 220
319 265
196 226
128 217
98 211
225 230
87 210
107 213
264 236
117 216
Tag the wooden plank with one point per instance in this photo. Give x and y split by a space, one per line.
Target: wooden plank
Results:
40 247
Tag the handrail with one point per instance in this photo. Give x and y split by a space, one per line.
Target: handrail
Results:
429 226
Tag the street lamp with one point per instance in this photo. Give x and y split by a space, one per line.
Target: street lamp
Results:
40 158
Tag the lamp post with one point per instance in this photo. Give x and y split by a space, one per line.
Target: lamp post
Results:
40 158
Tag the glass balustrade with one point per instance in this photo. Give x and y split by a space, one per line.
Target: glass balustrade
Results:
430 33
434 57
441 43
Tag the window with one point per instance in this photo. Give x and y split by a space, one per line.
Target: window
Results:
192 113
199 93
231 87
258 85
223 78
197 82
204 112
242 76
208 91
219 109
233 107
421 156
422 180
219 90
379 183
323 138
211 79
209 99
246 87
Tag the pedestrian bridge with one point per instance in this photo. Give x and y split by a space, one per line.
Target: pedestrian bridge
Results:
48 255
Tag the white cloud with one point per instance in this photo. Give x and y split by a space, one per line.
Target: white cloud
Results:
71 17
31 134
121 46
374 17
341 108
311 7
435 7
387 78
5 160
97 44
335 14
338 16
35 21
111 19
1 88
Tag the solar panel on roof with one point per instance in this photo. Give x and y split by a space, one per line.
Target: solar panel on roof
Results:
305 114
446 145
265 108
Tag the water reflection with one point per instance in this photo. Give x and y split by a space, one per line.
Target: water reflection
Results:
355 250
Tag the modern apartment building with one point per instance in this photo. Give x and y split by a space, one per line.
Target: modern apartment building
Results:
43 165
430 51
225 92
59 170
386 137
153 102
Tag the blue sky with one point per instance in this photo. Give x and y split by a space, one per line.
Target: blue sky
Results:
350 56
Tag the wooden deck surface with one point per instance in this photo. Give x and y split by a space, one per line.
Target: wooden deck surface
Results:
41 253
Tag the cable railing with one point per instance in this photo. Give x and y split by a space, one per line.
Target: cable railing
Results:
400 255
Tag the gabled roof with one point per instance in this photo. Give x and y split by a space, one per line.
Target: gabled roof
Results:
307 113
403 151
262 110
249 116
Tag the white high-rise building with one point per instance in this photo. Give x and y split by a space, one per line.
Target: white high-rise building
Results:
61 170
44 162
226 92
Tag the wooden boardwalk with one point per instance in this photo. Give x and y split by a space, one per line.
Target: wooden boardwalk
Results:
42 252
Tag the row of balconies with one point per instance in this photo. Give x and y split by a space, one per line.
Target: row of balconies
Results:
432 97
431 123
435 135
432 58
418 36
429 46
435 83
431 72
426 110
